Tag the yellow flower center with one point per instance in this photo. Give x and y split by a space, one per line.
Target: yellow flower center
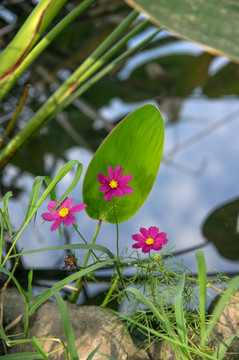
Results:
113 184
149 241
64 212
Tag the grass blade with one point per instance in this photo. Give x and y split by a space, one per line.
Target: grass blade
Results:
67 325
161 317
35 343
45 295
36 187
179 314
220 352
92 354
5 271
234 283
202 278
22 356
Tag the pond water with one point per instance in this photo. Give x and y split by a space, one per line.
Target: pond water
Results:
199 172
203 176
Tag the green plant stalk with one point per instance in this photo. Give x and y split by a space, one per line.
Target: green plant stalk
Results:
67 88
78 285
117 231
1 234
113 286
64 170
26 38
78 232
161 335
15 116
42 45
202 275
98 76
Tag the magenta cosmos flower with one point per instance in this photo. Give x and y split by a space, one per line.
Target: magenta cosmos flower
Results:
149 239
62 214
115 185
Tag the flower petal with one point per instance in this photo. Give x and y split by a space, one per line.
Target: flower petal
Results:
118 192
65 203
138 237
109 195
125 179
126 189
56 224
111 173
103 179
144 232
51 205
162 238
49 216
156 246
77 208
117 173
104 188
137 245
153 232
70 203
69 219
146 248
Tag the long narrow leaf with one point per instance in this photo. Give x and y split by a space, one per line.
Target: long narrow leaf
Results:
42 45
164 336
221 304
161 317
78 246
2 334
5 271
92 354
22 356
35 343
36 187
202 278
179 312
5 209
63 171
45 295
222 348
67 325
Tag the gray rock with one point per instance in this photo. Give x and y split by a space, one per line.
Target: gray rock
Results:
227 325
91 326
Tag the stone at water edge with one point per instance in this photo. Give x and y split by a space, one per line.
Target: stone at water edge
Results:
91 326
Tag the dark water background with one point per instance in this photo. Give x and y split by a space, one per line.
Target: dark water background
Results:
195 198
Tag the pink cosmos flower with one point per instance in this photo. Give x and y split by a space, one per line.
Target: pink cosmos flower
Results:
150 239
63 213
115 185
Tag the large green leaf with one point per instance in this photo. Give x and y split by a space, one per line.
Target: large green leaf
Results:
221 228
210 23
136 144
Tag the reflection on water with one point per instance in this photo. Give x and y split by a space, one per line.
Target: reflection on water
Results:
191 182
199 171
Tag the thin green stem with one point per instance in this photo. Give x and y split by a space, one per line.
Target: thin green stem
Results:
15 116
78 232
112 288
117 230
100 74
78 284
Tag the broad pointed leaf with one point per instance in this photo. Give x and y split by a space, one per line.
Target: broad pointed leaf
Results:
135 144
211 23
